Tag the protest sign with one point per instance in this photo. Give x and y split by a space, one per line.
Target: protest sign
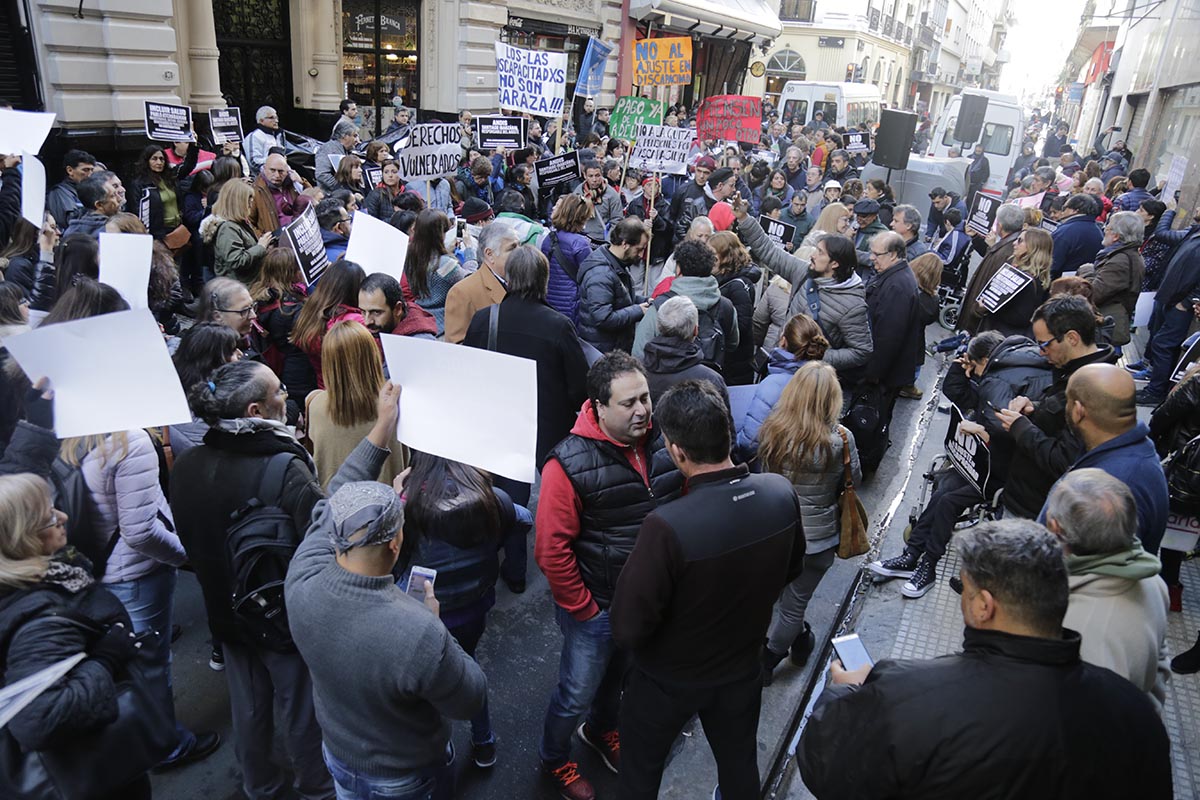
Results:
591 69
1189 359
23 131
303 235
968 453
659 148
125 260
730 117
109 373
1048 225
372 175
33 189
1183 533
1143 308
378 247
168 123
857 141
629 112
777 231
506 132
662 62
497 437
1174 179
557 169
433 151
1032 201
226 124
982 215
1006 284
531 80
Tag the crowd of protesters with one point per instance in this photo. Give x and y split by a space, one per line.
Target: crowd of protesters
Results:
643 299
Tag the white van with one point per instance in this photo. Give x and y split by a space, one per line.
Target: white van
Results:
844 104
1003 132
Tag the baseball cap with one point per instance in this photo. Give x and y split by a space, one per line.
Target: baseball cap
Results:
706 162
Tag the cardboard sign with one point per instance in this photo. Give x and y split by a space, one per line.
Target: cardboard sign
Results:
1174 179
591 69
226 124
531 80
857 141
629 112
968 453
1048 225
378 247
1183 533
982 215
372 176
777 231
1189 359
125 263
556 170
168 123
303 235
433 151
730 117
24 131
506 132
662 62
658 148
1006 284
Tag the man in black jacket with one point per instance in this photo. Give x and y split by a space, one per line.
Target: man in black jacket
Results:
62 201
1017 714
245 405
694 600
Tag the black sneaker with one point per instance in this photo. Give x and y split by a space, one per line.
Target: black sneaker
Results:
1144 398
484 755
956 584
803 647
1187 662
901 566
922 580
216 661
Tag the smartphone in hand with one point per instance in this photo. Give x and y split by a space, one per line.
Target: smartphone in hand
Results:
417 578
851 652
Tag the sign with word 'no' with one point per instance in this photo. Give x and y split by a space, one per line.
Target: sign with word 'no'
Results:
531 80
662 62
659 148
629 112
730 117
984 208
968 452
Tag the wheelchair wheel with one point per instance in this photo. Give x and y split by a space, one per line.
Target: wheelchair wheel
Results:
948 317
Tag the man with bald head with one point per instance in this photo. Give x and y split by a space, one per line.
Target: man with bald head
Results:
277 198
1102 412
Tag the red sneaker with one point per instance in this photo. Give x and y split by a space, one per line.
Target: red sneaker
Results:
571 785
607 745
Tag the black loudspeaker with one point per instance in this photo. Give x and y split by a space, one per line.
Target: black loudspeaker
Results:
971 111
894 139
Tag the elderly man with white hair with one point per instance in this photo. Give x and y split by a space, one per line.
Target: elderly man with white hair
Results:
1117 602
1117 271
906 221
674 356
266 134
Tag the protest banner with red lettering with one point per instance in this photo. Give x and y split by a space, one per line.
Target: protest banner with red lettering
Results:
730 117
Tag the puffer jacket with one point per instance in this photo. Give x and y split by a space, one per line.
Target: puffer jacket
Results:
739 289
128 496
705 295
608 308
92 223
819 488
781 366
843 306
236 251
1116 278
562 291
771 313
1177 420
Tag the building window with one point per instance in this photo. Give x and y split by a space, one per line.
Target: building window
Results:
784 66
798 10
379 58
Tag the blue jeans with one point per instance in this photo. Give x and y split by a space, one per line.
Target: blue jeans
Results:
1168 334
435 782
590 673
150 601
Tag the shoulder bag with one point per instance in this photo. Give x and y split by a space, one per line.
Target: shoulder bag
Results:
853 514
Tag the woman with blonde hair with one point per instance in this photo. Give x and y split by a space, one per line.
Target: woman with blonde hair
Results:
834 218
339 414
1032 253
736 277
802 441
237 252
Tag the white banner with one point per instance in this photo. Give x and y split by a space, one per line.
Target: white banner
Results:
433 151
531 80
659 148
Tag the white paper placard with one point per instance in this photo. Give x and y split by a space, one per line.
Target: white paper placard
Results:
500 437
33 189
109 373
125 260
23 131
376 246
1141 312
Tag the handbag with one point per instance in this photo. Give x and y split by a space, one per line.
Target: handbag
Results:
177 239
94 763
853 539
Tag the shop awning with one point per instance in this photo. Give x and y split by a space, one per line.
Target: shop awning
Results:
752 21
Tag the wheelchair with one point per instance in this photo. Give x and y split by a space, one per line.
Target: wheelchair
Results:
984 511
952 290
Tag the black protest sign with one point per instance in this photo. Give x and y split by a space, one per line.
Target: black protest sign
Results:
506 132
968 453
168 123
777 231
1006 284
857 141
226 124
983 213
1049 225
1190 357
303 235
556 170
372 176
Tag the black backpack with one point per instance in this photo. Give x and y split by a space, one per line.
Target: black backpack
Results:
1183 479
711 337
259 547
864 419
72 496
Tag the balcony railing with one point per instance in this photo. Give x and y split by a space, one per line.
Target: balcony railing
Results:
873 21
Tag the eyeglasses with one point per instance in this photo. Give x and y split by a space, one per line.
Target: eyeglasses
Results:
282 388
245 313
1043 345
56 518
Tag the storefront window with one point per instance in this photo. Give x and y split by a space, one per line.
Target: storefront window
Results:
379 41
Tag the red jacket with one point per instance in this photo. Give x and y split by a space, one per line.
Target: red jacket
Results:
557 524
416 320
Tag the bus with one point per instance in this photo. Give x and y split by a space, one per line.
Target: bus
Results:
844 104
1002 134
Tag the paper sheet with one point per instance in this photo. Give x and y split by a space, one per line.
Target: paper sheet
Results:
376 246
33 189
1141 312
23 131
109 373
125 265
466 404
